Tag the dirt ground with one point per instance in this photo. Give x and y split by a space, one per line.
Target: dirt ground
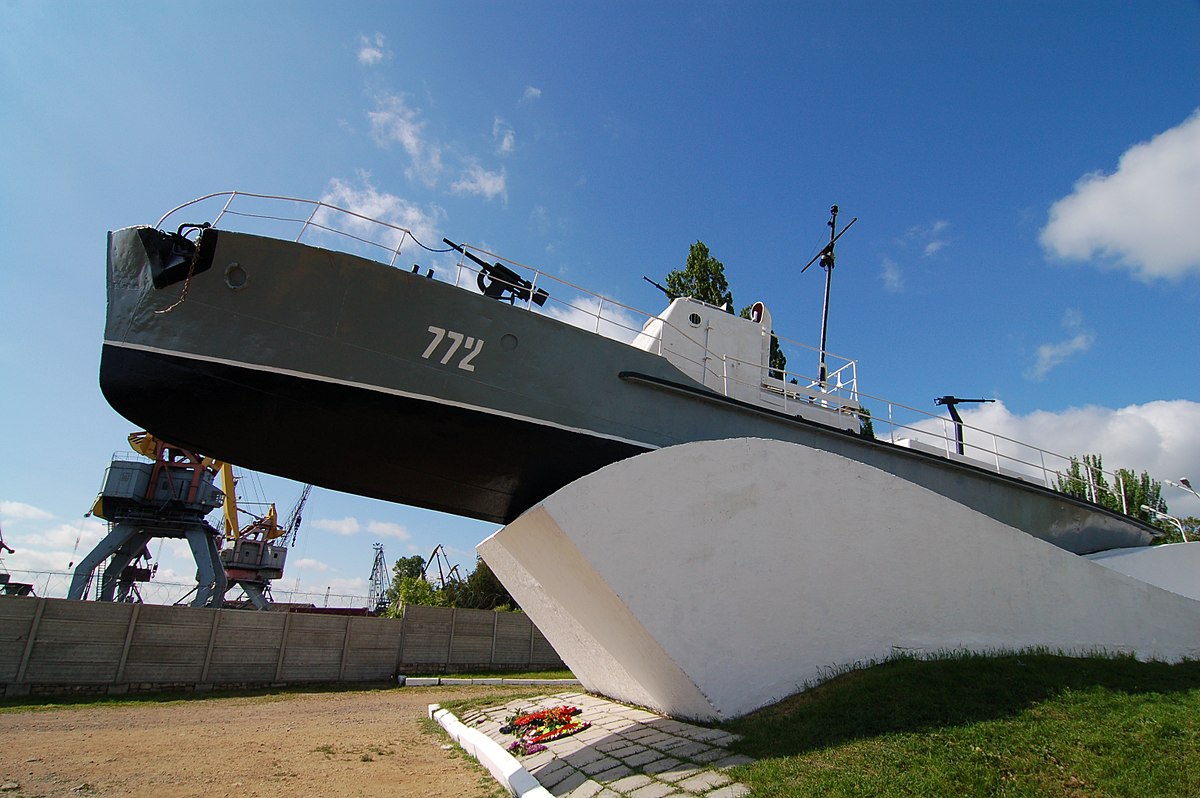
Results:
371 743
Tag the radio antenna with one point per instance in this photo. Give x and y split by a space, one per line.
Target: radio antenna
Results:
827 261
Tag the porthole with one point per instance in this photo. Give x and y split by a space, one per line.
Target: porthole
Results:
235 276
694 319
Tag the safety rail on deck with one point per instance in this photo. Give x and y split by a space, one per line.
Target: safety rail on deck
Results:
982 448
590 311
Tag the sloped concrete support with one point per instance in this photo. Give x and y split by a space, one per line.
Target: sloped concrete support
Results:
708 579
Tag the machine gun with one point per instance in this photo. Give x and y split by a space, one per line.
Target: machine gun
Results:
500 282
671 296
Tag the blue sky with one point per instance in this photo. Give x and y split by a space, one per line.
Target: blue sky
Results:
1026 178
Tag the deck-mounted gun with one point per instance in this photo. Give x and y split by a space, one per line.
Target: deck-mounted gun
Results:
502 282
950 402
671 296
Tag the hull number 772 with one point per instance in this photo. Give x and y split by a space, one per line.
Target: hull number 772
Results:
465 346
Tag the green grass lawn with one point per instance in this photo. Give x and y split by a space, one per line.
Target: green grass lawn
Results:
1018 725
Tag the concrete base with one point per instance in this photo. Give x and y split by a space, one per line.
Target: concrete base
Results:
709 579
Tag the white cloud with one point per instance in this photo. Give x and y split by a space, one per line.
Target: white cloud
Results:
365 199
19 511
611 321
1143 216
1159 437
504 136
478 181
893 279
929 238
310 564
371 50
531 94
1079 339
393 121
343 526
387 529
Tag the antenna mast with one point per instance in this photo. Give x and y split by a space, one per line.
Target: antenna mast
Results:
827 261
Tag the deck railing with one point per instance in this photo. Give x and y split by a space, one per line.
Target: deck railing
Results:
330 226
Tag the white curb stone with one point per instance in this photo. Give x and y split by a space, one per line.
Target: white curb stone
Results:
503 766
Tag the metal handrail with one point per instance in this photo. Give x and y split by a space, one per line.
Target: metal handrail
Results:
998 460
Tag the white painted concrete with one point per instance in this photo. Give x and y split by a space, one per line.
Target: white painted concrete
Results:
503 766
708 579
1173 566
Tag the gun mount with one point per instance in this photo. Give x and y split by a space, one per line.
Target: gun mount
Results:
500 282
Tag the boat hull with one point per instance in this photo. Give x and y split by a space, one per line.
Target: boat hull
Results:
327 368
352 439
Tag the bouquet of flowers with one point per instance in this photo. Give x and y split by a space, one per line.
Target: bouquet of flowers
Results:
532 729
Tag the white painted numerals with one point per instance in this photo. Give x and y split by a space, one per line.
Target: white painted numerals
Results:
470 347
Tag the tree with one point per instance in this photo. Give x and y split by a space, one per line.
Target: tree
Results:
702 277
1170 534
866 429
1085 479
408 566
481 589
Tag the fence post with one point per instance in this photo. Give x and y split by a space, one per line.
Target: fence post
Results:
212 642
133 618
495 623
400 642
345 649
532 628
450 640
287 625
33 630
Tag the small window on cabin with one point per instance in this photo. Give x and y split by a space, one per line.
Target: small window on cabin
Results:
694 319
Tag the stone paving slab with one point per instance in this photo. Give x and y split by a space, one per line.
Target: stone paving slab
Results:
627 752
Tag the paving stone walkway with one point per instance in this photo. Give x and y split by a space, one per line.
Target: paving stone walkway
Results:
626 752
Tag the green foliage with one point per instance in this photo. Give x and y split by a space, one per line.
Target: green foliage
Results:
418 590
702 277
866 428
409 566
481 590
1173 534
1085 479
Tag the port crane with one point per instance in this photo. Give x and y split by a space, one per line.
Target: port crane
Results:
381 582
170 496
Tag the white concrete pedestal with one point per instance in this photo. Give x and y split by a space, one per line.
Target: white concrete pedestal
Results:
709 579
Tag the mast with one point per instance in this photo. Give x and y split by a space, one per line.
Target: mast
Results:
827 260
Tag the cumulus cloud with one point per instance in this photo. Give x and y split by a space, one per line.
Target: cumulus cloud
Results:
363 198
19 511
343 526
929 238
394 122
54 546
586 313
530 94
1159 437
504 136
893 279
478 181
371 50
1079 339
386 529
1142 217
